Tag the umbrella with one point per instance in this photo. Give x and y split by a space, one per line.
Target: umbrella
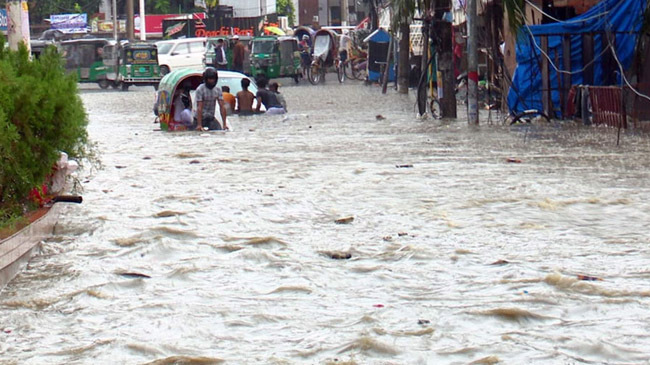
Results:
274 30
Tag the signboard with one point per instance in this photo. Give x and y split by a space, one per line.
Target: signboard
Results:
70 23
106 26
3 20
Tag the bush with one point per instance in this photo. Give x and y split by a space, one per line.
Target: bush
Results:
41 114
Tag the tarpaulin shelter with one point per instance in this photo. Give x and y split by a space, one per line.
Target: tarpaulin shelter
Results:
378 42
581 46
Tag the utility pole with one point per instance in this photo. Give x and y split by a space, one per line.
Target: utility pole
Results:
115 24
18 24
130 34
143 28
344 13
472 63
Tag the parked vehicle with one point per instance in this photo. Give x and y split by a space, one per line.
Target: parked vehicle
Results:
209 60
85 57
276 57
138 65
181 54
164 105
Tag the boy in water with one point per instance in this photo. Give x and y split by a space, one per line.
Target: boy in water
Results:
268 98
274 88
229 99
245 98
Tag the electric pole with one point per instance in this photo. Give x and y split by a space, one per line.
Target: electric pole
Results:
472 63
18 24
344 13
130 34
115 24
143 29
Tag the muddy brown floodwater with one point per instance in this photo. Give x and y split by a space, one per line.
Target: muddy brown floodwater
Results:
224 247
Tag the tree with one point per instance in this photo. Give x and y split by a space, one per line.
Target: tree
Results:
285 8
403 12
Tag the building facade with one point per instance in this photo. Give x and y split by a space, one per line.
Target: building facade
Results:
250 8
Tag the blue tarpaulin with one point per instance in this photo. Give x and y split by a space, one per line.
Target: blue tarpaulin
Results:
620 18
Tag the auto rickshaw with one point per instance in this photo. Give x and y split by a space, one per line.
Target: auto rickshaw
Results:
85 57
276 57
138 65
181 80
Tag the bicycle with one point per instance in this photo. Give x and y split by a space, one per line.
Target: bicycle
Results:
422 97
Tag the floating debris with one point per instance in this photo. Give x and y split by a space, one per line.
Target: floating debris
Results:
120 167
589 278
146 158
500 262
423 322
167 213
379 117
387 238
341 255
402 234
404 166
344 220
194 162
135 275
513 160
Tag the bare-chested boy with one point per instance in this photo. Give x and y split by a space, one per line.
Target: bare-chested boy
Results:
245 98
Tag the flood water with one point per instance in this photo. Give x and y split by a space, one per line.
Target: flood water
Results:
454 256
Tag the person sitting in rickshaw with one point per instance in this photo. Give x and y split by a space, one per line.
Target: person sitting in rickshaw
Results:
245 98
207 96
186 118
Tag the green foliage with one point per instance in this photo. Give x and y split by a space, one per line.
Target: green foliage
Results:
162 6
41 114
515 12
285 8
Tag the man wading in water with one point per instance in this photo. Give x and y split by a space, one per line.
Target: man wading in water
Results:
207 95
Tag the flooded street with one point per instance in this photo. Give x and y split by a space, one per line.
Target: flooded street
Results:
454 255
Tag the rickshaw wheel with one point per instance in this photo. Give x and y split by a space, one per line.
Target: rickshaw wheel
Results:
357 73
340 70
315 75
125 87
164 70
103 84
116 85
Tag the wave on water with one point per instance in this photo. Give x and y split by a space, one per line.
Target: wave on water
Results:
512 314
186 360
574 284
173 232
291 289
369 345
255 241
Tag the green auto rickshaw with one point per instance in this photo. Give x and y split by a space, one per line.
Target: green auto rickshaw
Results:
138 65
85 58
276 57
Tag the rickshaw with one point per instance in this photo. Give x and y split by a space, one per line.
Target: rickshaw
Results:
178 81
85 58
138 65
276 57
325 54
